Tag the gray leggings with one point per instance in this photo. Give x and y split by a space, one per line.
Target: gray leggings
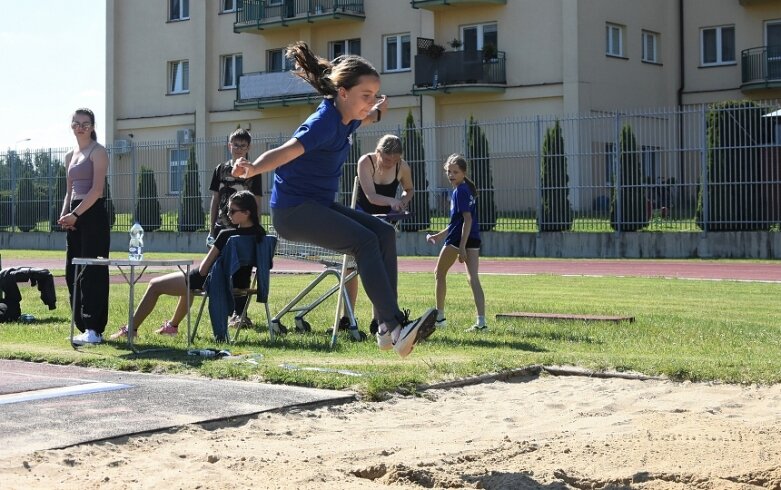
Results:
371 241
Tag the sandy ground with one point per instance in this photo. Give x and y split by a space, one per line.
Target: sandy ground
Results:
539 432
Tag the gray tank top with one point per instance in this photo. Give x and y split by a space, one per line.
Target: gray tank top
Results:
81 174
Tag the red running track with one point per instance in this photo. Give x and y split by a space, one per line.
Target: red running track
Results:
690 269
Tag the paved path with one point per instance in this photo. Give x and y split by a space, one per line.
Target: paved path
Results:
123 403
691 269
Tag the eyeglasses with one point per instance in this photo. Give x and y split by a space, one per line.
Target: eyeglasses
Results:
234 210
242 146
84 125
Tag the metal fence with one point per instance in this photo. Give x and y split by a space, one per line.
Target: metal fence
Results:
686 169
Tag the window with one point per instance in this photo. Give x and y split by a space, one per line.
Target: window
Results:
475 37
231 5
276 61
231 70
614 38
717 45
397 52
179 77
773 43
650 47
347 46
178 9
176 168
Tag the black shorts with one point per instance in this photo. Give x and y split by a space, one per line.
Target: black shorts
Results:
470 243
196 280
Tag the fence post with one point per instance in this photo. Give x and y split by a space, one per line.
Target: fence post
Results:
52 186
538 174
617 174
133 185
704 170
13 188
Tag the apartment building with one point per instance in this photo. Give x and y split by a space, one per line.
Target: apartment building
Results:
182 69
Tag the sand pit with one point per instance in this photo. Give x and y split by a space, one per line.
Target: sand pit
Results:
539 432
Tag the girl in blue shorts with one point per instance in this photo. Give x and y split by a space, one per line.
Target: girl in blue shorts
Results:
462 241
307 169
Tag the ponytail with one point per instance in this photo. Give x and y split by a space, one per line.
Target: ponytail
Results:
472 187
327 76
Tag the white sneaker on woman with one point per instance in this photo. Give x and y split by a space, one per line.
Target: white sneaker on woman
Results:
88 337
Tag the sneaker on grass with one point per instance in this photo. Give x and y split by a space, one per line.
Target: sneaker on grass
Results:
441 323
89 337
477 328
384 341
414 330
168 328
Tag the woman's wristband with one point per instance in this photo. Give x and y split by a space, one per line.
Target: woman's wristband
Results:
77 215
379 115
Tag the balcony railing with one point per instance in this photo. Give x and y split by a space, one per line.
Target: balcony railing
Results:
269 14
761 67
437 4
269 89
466 69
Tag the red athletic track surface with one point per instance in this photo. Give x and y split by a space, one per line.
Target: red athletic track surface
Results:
690 269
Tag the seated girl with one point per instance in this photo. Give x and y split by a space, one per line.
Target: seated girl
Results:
243 213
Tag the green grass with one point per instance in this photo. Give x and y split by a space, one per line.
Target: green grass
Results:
686 330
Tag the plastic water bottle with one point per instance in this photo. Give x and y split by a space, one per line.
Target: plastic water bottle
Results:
136 247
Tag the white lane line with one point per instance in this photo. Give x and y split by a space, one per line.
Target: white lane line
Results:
82 389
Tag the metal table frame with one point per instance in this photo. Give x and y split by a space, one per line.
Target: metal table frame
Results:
131 279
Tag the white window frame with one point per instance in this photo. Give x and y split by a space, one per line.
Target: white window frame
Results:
177 168
719 30
346 44
399 52
228 6
650 41
178 77
610 40
234 62
182 13
479 34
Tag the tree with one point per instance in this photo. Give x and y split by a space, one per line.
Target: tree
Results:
556 208
415 156
148 206
737 190
110 211
634 211
27 205
59 189
192 217
478 157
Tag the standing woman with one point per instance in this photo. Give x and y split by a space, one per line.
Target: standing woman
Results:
84 218
307 171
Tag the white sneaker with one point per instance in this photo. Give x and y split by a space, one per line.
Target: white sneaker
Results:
441 323
477 328
384 341
88 337
412 331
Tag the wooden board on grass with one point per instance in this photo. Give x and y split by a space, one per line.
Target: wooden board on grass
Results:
565 316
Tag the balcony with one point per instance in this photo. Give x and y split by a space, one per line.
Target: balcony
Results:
260 15
440 4
760 68
261 90
460 71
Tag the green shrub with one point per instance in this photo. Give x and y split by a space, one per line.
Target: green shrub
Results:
632 198
736 191
59 184
477 156
148 206
191 216
556 208
415 156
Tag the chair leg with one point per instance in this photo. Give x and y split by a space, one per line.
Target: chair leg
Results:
198 319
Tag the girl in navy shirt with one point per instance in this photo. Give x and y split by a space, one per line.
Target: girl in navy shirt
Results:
307 169
462 240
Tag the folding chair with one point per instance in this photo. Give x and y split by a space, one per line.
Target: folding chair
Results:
239 251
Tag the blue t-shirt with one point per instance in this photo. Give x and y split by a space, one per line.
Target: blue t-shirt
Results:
315 174
461 201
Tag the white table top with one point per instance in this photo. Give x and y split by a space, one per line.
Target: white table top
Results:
128 262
